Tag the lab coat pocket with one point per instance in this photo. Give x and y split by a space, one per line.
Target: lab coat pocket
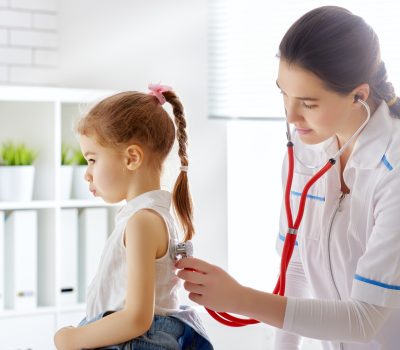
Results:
311 224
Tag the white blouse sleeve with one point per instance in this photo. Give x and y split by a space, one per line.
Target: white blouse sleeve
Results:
377 278
296 285
347 321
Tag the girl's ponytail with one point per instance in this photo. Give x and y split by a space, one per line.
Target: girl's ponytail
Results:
181 196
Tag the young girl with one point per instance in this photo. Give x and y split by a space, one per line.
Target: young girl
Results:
343 281
133 299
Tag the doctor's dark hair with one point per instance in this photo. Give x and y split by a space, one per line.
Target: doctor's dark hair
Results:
342 50
137 118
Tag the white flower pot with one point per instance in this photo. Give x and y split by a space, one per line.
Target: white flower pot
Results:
80 187
66 181
16 183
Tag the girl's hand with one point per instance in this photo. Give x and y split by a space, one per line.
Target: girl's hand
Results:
209 285
62 338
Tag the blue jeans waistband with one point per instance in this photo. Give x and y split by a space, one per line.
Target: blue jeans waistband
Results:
165 333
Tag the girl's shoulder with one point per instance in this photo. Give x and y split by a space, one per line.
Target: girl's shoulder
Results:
148 227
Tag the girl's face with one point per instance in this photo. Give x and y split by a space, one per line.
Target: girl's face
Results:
316 113
106 172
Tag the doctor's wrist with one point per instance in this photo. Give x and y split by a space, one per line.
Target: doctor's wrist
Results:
264 307
242 303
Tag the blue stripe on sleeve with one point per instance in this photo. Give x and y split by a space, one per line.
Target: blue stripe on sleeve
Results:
282 238
386 162
376 283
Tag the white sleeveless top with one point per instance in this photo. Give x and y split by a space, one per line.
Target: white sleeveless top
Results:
107 290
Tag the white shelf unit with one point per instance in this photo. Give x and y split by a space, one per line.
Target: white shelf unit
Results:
43 118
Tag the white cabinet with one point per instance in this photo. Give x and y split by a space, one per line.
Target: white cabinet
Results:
43 118
69 317
29 332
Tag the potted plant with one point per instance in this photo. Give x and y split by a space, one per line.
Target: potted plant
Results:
67 167
80 187
16 171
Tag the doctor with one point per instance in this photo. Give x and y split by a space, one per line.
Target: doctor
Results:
343 281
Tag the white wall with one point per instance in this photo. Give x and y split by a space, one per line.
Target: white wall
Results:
125 45
28 42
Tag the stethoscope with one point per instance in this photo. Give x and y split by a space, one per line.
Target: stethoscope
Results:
186 248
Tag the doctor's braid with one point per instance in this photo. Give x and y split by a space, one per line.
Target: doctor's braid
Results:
182 199
382 89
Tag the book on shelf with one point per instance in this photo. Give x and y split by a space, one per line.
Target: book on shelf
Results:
68 288
93 229
20 244
2 260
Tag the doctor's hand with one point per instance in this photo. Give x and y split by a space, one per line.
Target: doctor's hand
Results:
209 285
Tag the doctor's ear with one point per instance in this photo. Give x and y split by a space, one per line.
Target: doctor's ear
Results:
361 92
133 157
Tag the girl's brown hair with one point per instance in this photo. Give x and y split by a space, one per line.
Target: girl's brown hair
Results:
134 117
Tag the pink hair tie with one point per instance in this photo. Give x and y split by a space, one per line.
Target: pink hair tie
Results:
157 91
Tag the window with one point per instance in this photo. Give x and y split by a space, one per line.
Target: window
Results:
243 42
255 153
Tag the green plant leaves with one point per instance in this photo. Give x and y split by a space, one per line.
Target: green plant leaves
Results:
14 154
67 155
71 156
78 157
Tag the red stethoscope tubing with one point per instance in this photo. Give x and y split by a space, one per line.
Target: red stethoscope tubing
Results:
290 240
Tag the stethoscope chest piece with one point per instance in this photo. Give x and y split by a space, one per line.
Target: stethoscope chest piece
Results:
181 249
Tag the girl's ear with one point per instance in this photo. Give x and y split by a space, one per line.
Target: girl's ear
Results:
133 157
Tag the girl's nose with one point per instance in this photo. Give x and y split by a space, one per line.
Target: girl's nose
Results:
87 176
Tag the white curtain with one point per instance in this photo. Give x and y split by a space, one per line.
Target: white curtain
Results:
243 42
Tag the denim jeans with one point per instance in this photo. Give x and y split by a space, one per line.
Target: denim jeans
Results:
165 333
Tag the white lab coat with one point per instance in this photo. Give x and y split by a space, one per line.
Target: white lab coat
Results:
349 247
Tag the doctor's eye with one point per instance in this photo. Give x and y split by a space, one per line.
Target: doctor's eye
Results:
309 106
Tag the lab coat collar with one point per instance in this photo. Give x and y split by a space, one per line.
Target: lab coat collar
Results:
373 141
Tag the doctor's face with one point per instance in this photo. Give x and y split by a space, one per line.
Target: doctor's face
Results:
316 112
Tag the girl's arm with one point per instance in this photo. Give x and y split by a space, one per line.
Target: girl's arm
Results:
146 238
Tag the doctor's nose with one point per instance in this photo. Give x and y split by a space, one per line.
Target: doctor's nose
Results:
292 114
